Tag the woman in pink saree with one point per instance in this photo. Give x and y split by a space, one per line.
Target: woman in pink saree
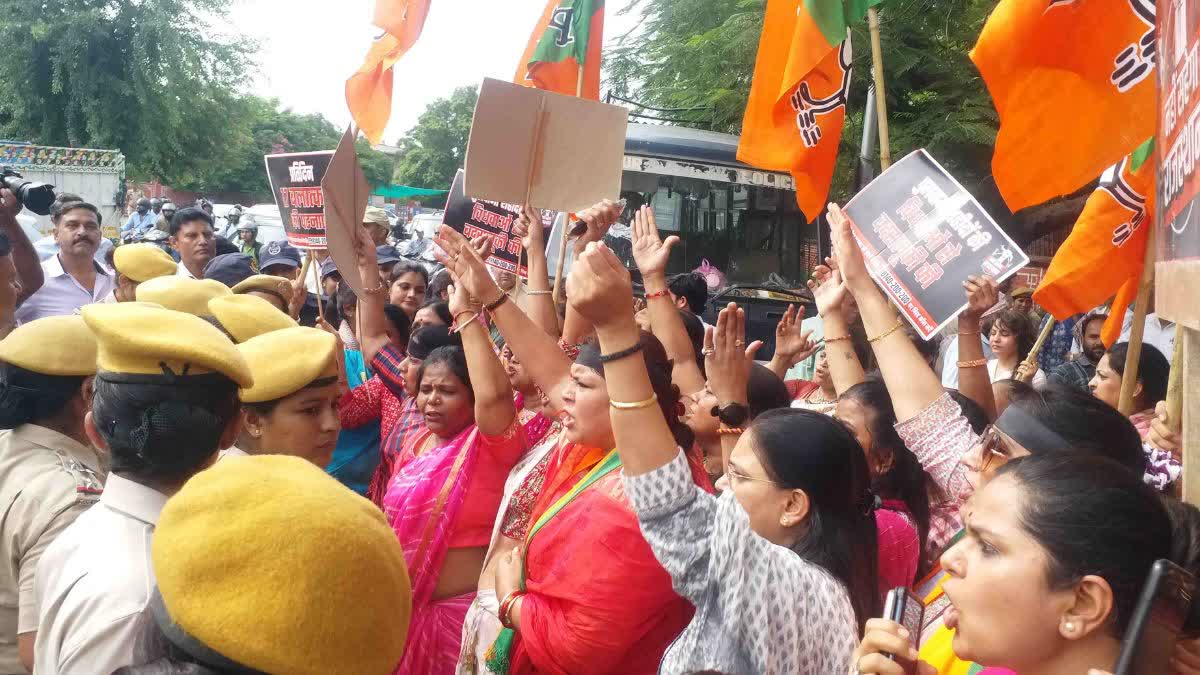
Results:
442 500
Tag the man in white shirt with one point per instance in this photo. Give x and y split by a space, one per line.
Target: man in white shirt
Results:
94 583
73 278
192 236
1156 331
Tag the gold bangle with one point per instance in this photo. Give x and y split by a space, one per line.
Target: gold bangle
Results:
730 431
972 364
895 327
529 292
836 339
377 290
638 405
970 332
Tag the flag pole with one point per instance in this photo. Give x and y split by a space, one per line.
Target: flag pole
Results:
1140 308
1031 361
885 145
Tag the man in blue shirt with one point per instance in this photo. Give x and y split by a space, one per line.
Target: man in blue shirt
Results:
140 221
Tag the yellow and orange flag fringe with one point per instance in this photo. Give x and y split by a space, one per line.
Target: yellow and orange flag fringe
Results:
369 89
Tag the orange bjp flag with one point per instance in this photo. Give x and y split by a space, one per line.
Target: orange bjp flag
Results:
1072 81
563 54
369 90
1103 255
797 105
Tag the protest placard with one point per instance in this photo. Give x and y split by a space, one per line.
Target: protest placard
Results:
922 235
544 149
296 183
346 192
475 217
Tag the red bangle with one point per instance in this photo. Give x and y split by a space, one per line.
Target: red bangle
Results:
506 607
658 294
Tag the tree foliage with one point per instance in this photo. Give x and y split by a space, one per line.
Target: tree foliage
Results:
151 77
697 57
433 150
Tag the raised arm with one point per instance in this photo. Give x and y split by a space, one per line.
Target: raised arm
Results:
831 293
909 379
973 379
372 321
728 359
494 409
24 256
600 289
539 353
597 219
791 343
540 304
651 253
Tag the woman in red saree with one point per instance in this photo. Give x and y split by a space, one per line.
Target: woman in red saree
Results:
594 598
443 497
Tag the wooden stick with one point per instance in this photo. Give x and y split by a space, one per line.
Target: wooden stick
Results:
562 259
1030 363
1140 308
579 82
885 146
1175 381
312 258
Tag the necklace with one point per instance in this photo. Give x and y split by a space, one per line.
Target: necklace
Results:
816 397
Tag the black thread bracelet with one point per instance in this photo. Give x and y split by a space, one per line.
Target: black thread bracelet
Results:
630 351
499 301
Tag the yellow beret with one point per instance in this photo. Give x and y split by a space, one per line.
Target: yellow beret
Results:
285 361
247 316
182 294
266 284
137 339
141 262
323 593
56 345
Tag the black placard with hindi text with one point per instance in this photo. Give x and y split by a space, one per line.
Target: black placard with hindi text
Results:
922 235
296 184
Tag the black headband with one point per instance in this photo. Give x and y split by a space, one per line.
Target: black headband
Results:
1028 431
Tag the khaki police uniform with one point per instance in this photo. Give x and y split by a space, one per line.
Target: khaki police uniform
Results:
46 481
95 582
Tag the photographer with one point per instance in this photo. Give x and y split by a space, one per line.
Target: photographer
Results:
24 257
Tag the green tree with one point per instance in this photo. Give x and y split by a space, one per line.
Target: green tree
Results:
433 150
696 57
259 126
153 78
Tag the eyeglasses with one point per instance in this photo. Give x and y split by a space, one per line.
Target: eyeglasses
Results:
738 475
991 447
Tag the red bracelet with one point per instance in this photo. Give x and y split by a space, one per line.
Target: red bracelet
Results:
658 294
506 608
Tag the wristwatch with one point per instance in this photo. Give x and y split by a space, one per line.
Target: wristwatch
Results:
732 414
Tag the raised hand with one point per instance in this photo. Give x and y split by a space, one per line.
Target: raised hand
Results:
791 343
650 251
849 256
464 259
529 229
982 295
460 300
727 358
599 287
596 219
828 288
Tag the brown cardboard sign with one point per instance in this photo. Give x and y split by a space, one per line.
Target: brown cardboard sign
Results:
346 191
530 146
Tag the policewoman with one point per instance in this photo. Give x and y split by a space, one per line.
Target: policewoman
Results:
244 586
292 408
181 294
245 316
136 263
165 401
49 472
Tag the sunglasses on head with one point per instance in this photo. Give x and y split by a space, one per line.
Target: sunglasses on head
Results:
992 447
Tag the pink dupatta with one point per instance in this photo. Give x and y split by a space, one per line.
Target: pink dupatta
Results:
422 504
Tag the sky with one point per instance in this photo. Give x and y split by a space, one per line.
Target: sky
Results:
307 49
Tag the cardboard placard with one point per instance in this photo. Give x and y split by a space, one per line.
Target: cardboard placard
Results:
922 235
346 192
296 184
530 146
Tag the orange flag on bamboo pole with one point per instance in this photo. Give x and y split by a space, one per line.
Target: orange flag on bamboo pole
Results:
797 104
1072 81
369 90
1104 253
563 54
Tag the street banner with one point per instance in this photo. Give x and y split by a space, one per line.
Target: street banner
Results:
296 183
475 217
1177 271
922 235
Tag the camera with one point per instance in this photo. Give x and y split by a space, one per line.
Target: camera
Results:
37 197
